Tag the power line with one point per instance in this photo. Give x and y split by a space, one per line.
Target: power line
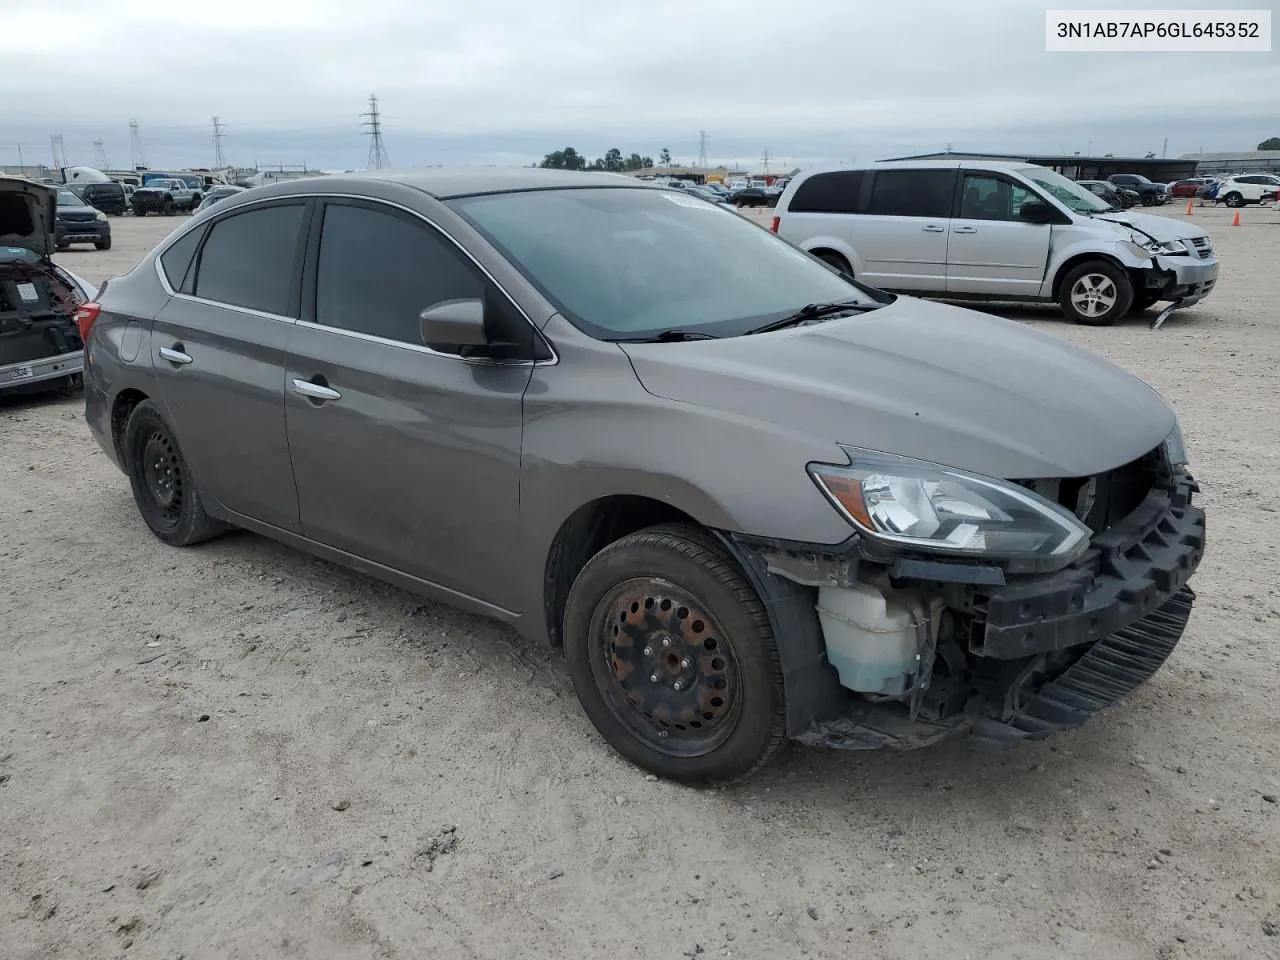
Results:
100 156
219 159
136 157
377 150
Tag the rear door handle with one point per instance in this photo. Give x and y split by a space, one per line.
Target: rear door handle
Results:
174 354
315 391
932 228
965 230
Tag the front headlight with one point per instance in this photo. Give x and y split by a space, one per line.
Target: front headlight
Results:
1175 450
99 215
931 507
1171 248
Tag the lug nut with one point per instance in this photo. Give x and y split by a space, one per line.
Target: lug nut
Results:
686 663
653 678
677 685
666 641
648 651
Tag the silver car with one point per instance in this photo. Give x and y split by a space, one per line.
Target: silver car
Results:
980 230
750 499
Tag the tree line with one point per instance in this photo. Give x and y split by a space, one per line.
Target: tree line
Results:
613 161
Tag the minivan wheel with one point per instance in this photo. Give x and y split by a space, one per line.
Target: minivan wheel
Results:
1095 293
161 480
836 261
673 658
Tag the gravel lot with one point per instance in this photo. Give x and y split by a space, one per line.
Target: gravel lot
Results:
235 751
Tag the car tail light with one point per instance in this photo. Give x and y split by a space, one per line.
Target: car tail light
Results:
86 314
775 223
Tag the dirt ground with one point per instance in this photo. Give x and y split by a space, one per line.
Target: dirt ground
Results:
235 751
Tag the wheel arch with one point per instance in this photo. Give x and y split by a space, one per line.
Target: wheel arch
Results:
1077 259
121 409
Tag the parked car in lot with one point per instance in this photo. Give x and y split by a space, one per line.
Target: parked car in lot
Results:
107 197
750 498
1239 191
167 196
1185 189
77 222
218 193
1121 198
710 196
1150 194
753 197
40 343
978 230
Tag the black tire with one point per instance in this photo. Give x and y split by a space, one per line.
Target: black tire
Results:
1143 301
166 207
163 487
835 260
103 244
716 711
1119 293
61 245
1233 199
137 212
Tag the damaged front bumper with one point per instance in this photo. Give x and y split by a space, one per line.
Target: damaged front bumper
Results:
1021 658
1182 279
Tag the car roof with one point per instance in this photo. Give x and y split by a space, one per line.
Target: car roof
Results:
444 183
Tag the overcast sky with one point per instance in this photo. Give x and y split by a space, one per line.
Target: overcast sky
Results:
504 82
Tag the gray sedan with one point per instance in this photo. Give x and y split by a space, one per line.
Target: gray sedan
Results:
751 499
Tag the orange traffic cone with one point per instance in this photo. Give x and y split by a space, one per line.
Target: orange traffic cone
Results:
1189 203
1235 221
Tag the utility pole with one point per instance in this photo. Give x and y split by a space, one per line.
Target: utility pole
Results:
702 149
219 159
59 154
136 157
20 163
1164 151
100 156
373 122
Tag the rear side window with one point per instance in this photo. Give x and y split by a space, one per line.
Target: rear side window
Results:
175 261
378 270
249 259
911 193
837 192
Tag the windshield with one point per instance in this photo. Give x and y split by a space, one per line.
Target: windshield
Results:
1067 192
68 199
625 263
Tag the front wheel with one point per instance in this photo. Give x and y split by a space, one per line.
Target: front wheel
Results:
103 244
1233 199
163 487
1095 293
673 658
167 207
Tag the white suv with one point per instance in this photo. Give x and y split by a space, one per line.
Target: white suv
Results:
1248 188
975 230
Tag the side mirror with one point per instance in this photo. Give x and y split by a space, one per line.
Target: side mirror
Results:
454 323
1036 212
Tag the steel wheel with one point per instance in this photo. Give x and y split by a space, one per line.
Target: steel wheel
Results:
1094 294
667 668
162 472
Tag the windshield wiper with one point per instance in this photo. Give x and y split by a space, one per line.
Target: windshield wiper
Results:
812 311
668 336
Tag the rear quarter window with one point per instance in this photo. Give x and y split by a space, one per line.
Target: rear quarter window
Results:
837 192
177 259
250 259
912 193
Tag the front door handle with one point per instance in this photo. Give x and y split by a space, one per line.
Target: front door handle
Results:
932 228
174 354
315 391
965 230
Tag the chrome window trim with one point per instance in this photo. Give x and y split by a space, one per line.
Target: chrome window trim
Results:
164 281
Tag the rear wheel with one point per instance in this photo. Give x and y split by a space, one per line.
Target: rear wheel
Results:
1095 293
836 261
673 658
1233 199
162 484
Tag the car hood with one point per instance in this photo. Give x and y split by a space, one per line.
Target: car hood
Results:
1158 228
41 201
924 380
83 208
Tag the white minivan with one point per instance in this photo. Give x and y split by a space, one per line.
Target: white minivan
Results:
979 230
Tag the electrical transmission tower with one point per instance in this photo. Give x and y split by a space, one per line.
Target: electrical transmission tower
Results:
59 154
702 149
100 156
373 122
764 158
219 158
136 157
